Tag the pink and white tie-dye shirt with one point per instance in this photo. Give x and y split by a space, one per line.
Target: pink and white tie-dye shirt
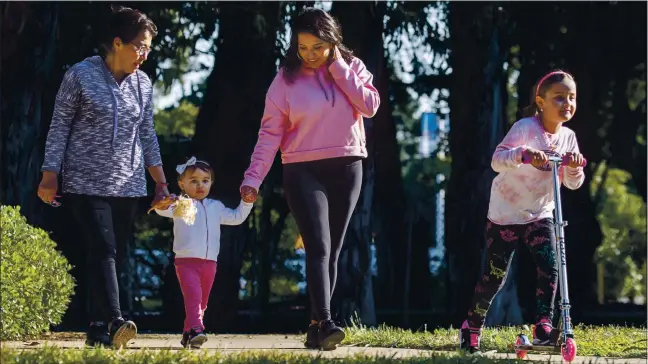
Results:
522 193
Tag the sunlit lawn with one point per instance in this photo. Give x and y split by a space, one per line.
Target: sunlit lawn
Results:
606 341
609 341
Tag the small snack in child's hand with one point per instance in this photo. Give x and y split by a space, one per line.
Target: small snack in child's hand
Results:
184 209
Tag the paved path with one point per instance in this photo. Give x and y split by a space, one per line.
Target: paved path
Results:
292 344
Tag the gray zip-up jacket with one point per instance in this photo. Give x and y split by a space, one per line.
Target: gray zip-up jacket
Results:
102 136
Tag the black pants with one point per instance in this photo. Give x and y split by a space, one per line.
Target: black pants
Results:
501 242
106 226
322 195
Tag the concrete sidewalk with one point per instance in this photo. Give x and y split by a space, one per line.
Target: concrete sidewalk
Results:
289 343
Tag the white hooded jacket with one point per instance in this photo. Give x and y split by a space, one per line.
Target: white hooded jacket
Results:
202 239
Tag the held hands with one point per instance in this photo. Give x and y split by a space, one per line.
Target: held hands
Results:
161 193
166 202
163 203
248 194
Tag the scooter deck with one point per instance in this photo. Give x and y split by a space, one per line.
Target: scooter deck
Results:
555 343
545 348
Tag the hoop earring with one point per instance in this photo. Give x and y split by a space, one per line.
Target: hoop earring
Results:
298 56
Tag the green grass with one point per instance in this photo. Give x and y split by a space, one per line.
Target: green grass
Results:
108 356
607 341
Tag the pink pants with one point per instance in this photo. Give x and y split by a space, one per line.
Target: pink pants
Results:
196 277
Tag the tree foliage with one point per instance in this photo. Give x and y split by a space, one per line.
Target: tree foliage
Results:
473 63
622 215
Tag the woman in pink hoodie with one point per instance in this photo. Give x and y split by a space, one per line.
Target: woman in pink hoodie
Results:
314 113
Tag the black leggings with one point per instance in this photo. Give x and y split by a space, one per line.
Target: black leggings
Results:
322 195
501 242
106 225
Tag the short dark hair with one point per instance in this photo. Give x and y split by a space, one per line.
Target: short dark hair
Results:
125 23
541 87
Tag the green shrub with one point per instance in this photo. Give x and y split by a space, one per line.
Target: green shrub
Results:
36 286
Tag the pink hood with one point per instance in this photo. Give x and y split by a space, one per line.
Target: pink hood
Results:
317 116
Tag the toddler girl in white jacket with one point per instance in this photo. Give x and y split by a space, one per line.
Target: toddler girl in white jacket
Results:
196 245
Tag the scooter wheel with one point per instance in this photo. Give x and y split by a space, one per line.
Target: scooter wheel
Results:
521 354
569 350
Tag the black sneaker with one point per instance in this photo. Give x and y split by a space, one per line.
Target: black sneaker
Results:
329 335
185 339
469 339
121 332
193 338
97 335
311 337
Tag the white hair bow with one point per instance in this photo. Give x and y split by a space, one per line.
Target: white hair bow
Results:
182 167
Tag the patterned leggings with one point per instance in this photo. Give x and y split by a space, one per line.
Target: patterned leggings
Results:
501 242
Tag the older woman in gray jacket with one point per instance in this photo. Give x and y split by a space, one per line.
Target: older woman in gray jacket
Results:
100 141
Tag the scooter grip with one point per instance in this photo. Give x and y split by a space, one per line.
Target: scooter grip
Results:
565 161
526 159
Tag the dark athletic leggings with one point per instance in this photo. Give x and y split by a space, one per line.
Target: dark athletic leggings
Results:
106 225
501 241
322 195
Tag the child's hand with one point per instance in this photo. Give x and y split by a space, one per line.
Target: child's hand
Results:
538 158
163 203
574 160
248 194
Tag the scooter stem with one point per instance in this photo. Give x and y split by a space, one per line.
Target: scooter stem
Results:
562 259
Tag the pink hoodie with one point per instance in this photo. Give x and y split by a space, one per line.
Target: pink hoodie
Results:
520 192
315 117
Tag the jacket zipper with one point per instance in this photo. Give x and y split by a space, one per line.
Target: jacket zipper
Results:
207 229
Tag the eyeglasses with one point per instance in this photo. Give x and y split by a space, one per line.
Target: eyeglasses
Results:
141 50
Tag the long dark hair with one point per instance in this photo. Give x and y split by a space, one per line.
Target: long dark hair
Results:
125 23
320 24
541 87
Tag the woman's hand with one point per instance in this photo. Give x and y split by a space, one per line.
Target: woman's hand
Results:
163 203
334 54
538 158
574 160
166 201
48 187
161 192
248 194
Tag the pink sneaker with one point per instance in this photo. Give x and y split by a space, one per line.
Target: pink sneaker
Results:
469 338
542 332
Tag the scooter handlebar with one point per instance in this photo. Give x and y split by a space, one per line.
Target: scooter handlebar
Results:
562 160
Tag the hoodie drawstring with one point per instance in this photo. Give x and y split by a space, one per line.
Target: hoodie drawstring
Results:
110 80
141 115
324 90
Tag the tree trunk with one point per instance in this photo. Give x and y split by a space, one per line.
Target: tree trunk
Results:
29 52
382 191
353 294
226 130
477 105
31 73
628 53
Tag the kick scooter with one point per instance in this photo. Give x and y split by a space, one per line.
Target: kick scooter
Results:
562 337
